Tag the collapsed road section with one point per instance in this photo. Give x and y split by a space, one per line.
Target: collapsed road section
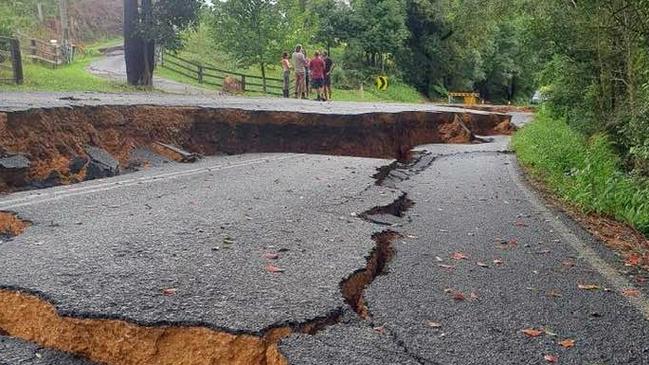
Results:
43 147
214 263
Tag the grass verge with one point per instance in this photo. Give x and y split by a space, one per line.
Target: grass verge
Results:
583 172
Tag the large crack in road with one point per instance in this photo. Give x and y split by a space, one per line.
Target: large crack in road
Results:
30 317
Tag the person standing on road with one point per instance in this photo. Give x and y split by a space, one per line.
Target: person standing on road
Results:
329 67
307 74
299 63
317 67
286 66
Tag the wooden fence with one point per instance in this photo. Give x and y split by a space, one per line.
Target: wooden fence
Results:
213 76
11 67
41 51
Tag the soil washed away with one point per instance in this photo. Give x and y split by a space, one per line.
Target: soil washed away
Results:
48 147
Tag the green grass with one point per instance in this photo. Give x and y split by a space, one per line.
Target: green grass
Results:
73 77
584 172
397 92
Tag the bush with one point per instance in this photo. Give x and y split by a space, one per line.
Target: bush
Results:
586 172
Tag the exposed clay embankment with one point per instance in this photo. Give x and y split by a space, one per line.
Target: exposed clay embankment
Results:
55 141
11 225
114 342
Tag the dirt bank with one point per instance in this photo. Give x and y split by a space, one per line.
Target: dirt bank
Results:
53 139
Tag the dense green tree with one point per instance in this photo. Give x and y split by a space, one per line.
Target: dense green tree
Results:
251 31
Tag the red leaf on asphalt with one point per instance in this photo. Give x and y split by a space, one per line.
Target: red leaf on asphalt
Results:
551 358
271 256
274 269
498 262
513 242
380 329
631 293
588 286
459 256
473 295
458 296
567 343
532 332
633 260
169 292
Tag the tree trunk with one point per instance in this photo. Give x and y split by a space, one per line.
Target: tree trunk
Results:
133 45
263 76
148 46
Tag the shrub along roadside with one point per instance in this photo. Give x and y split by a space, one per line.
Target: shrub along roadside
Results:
584 172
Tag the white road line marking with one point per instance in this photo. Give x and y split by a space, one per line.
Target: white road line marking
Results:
617 281
75 191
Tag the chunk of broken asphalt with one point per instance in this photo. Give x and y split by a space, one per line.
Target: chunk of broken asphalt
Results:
101 164
13 169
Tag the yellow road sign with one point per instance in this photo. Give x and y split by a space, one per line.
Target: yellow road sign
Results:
382 83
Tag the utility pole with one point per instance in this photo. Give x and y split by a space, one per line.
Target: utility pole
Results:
63 9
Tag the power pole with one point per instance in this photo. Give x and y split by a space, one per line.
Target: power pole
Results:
63 9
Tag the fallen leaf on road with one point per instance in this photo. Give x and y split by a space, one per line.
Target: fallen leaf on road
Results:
482 264
459 256
459 296
632 260
169 292
520 223
568 263
551 358
588 286
498 262
433 324
567 343
380 329
447 267
271 256
554 293
473 296
631 293
274 269
531 332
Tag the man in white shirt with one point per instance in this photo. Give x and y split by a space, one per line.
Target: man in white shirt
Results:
299 64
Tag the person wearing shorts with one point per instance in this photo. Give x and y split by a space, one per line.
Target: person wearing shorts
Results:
286 67
317 67
329 66
299 63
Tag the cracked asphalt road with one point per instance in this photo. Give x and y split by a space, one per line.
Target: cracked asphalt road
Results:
108 248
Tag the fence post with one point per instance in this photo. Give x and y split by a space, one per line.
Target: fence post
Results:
200 74
17 61
243 83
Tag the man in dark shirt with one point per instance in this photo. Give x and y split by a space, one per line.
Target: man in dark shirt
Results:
329 66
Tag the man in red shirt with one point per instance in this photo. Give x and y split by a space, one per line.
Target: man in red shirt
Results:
317 68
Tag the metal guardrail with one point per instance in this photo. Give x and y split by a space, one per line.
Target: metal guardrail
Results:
213 76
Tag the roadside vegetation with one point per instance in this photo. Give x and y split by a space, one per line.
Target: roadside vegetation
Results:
591 142
583 171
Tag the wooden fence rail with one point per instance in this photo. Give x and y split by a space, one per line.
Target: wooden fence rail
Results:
41 51
213 76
